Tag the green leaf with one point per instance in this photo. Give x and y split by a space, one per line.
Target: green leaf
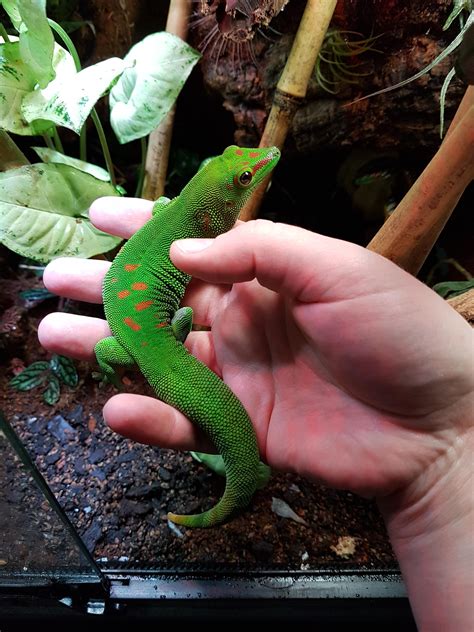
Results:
68 100
44 212
32 376
11 7
453 288
36 37
215 462
16 81
64 369
53 390
51 155
146 91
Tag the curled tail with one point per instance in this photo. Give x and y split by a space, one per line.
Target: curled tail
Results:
238 493
209 403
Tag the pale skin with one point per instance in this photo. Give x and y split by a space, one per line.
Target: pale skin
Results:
352 371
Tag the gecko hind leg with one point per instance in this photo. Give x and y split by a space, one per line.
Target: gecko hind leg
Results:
110 353
182 323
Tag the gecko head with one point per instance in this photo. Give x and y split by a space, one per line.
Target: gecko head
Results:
223 185
242 169
246 167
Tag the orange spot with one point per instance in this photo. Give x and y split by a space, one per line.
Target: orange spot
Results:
254 154
114 280
132 324
123 294
141 306
144 344
160 325
139 286
130 267
239 152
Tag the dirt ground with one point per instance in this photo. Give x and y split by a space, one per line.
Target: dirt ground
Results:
117 492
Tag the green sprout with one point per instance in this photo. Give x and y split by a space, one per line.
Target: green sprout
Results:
335 64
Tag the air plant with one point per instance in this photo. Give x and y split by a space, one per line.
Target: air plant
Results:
335 63
459 7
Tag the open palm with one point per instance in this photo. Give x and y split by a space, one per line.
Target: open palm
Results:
351 370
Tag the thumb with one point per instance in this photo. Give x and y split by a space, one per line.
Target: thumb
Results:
287 259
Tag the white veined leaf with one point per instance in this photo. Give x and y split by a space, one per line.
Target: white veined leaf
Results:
51 155
36 37
16 81
158 67
44 212
69 99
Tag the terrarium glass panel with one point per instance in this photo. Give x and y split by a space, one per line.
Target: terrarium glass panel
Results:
35 535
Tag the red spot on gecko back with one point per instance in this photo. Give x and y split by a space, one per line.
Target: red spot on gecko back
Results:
254 154
139 286
239 152
160 325
114 280
130 267
132 324
141 306
123 294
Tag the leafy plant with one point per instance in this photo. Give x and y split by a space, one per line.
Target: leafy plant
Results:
44 206
58 370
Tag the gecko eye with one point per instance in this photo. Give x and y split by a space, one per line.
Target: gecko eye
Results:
245 178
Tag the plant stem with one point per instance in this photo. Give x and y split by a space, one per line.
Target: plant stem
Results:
67 41
105 147
159 143
4 34
94 116
57 141
141 174
293 84
83 144
49 143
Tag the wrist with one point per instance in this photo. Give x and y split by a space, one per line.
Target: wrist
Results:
430 524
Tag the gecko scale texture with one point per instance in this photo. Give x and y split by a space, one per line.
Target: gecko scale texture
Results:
142 293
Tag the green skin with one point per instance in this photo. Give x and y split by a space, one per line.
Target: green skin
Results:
142 292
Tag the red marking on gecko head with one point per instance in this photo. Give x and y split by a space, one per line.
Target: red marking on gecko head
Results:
130 267
139 286
160 325
260 164
141 306
123 294
132 324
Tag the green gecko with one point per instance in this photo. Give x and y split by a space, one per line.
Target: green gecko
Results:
142 292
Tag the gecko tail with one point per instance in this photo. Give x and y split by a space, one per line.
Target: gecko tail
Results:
223 511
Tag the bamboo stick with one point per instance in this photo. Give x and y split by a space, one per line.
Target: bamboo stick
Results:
410 232
156 165
293 84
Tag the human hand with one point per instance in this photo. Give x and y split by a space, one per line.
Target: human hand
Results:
352 371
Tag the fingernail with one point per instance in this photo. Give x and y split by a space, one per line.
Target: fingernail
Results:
193 245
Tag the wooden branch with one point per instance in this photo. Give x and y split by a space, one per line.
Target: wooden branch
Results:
464 305
293 84
156 166
10 155
411 231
